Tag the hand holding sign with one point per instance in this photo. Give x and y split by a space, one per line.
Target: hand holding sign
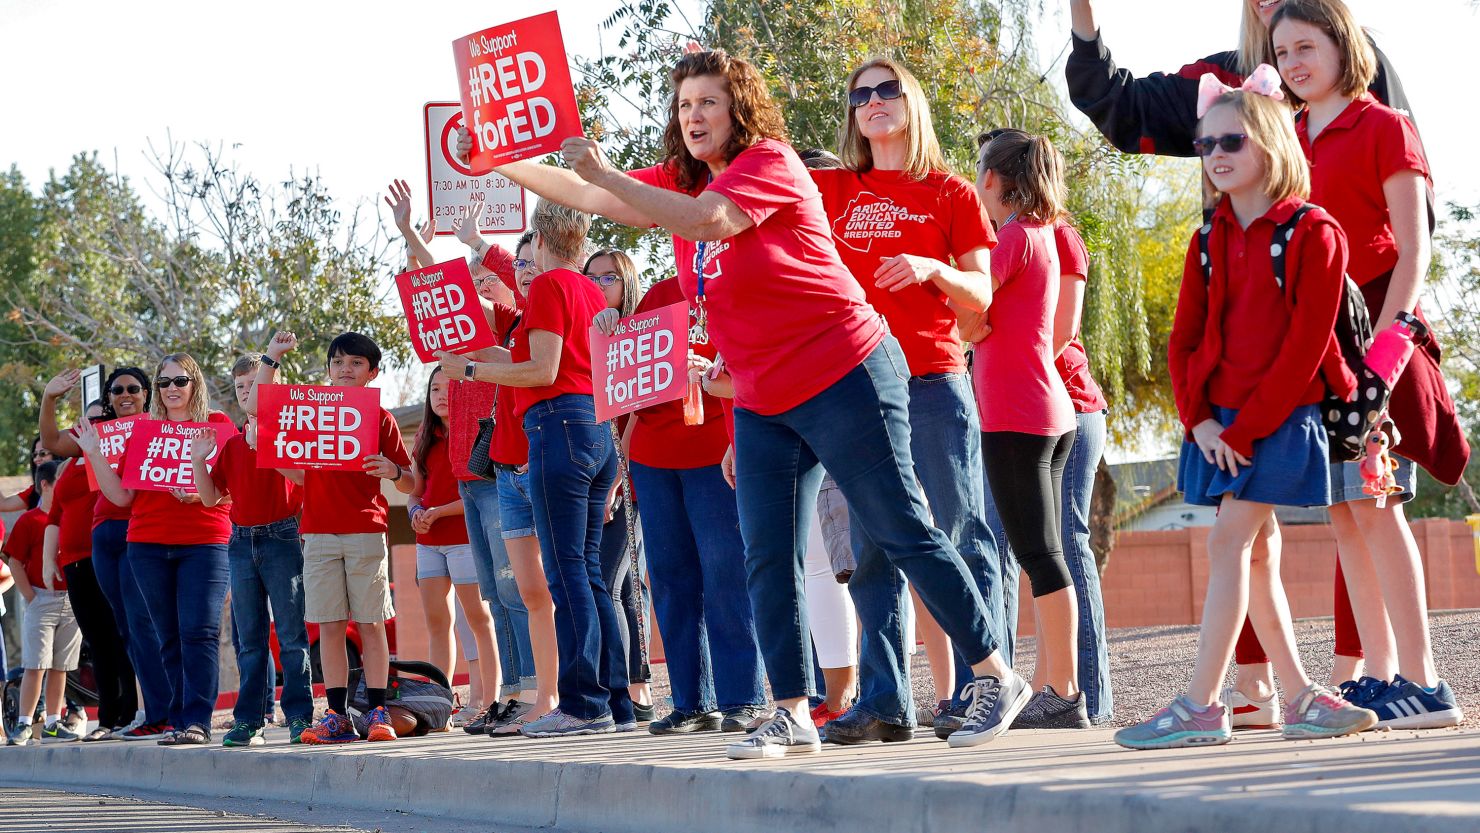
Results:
159 454
443 311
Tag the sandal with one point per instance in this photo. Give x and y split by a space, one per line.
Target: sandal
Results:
193 735
97 734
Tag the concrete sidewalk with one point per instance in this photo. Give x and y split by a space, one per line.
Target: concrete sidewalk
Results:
1386 782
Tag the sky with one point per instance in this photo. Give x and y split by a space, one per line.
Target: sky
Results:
337 88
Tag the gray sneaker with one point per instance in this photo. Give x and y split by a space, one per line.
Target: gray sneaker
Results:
59 733
993 705
1047 710
559 724
1319 712
778 737
21 735
739 718
1182 723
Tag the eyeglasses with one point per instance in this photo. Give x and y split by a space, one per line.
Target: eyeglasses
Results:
1232 143
41 454
120 390
520 265
605 280
482 279
888 91
178 381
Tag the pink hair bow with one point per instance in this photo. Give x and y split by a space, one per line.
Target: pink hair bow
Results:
1264 80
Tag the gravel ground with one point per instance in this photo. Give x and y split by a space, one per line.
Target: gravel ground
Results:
1150 666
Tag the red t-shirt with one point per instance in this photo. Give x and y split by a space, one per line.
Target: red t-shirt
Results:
1017 387
784 311
350 502
468 401
441 489
1239 341
1349 161
660 438
561 302
258 496
72 514
159 518
24 545
1073 363
880 214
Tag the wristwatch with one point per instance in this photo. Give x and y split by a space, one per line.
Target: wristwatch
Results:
469 369
271 362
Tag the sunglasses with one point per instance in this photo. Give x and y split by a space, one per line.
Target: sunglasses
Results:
1232 143
120 390
41 453
97 419
605 280
178 381
523 264
888 91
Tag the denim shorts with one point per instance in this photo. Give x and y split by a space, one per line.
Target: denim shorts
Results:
1291 466
515 513
453 561
1346 481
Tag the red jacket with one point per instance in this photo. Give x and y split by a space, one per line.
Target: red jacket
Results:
1239 341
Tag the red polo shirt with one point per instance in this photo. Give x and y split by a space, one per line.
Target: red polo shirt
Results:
258 496
72 514
24 545
1349 162
350 502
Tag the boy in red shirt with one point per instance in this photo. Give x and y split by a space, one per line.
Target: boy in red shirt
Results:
345 563
266 558
50 638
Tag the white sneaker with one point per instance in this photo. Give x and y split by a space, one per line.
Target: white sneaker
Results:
1248 713
778 737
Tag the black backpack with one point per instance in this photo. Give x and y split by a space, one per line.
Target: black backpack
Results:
428 698
1347 423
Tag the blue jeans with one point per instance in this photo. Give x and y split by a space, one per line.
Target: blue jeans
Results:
945 440
497 586
1079 482
131 615
185 589
267 565
572 465
696 561
859 429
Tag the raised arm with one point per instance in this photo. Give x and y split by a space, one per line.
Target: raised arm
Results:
56 441
399 200
709 216
282 343
562 186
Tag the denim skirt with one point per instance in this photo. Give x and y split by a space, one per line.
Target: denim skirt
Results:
1291 466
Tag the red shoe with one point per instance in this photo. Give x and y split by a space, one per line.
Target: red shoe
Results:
332 728
820 715
379 721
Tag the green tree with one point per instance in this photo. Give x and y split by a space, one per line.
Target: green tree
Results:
229 260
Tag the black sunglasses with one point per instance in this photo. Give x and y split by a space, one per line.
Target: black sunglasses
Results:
178 381
97 419
120 390
605 280
888 91
1232 143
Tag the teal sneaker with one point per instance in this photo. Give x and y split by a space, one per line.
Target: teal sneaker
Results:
296 727
1182 723
244 734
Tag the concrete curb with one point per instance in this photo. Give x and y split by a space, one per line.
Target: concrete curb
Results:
505 784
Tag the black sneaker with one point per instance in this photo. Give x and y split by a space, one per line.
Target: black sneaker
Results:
994 705
683 723
738 719
949 719
512 721
644 714
855 727
489 716
1047 710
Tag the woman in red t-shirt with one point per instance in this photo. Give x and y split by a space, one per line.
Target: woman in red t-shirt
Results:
915 237
177 551
72 514
1368 169
444 558
817 376
1026 415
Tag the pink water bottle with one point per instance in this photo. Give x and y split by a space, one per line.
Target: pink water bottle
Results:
1391 350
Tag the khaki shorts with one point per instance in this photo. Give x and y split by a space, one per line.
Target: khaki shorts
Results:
346 577
50 638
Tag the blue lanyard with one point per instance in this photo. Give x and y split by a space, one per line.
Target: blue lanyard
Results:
699 270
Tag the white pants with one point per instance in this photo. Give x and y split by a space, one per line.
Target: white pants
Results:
830 614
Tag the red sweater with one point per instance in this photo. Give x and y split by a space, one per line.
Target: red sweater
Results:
1239 341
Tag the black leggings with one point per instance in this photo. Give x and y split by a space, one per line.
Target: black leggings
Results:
114 673
1026 473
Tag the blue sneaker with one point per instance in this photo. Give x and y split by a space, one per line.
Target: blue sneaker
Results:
1363 691
1408 705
